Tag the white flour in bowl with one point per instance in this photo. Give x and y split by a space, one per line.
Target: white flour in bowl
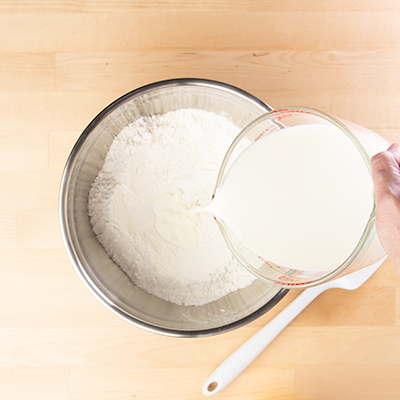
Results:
180 151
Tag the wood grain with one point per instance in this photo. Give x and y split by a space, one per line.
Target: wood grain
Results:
353 381
63 62
32 150
206 29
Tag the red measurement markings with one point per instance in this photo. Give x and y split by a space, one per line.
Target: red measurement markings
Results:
289 113
259 136
275 267
291 284
289 110
263 133
266 262
284 279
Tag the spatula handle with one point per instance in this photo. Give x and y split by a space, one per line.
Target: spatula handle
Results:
238 361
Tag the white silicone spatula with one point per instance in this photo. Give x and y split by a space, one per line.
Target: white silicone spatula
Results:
248 352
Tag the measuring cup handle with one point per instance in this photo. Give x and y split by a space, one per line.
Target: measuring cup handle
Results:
238 361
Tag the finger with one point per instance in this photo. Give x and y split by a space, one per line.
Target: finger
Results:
394 149
385 168
393 146
386 164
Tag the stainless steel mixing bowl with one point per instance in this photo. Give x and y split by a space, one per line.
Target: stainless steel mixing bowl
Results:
100 274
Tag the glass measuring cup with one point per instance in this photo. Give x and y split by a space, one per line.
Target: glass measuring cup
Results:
366 252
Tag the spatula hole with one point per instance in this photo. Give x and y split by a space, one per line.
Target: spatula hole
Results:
212 386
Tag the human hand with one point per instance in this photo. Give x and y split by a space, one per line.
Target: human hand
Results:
385 168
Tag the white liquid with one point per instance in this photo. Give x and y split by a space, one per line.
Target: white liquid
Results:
300 197
174 222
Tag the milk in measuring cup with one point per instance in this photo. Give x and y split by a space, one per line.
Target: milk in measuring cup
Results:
300 197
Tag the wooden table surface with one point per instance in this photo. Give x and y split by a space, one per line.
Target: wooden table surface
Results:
61 63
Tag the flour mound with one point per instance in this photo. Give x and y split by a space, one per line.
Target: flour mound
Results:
178 151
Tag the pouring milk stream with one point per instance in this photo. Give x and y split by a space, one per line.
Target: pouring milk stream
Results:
300 197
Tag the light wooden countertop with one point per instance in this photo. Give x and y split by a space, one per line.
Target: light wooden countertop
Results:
63 62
